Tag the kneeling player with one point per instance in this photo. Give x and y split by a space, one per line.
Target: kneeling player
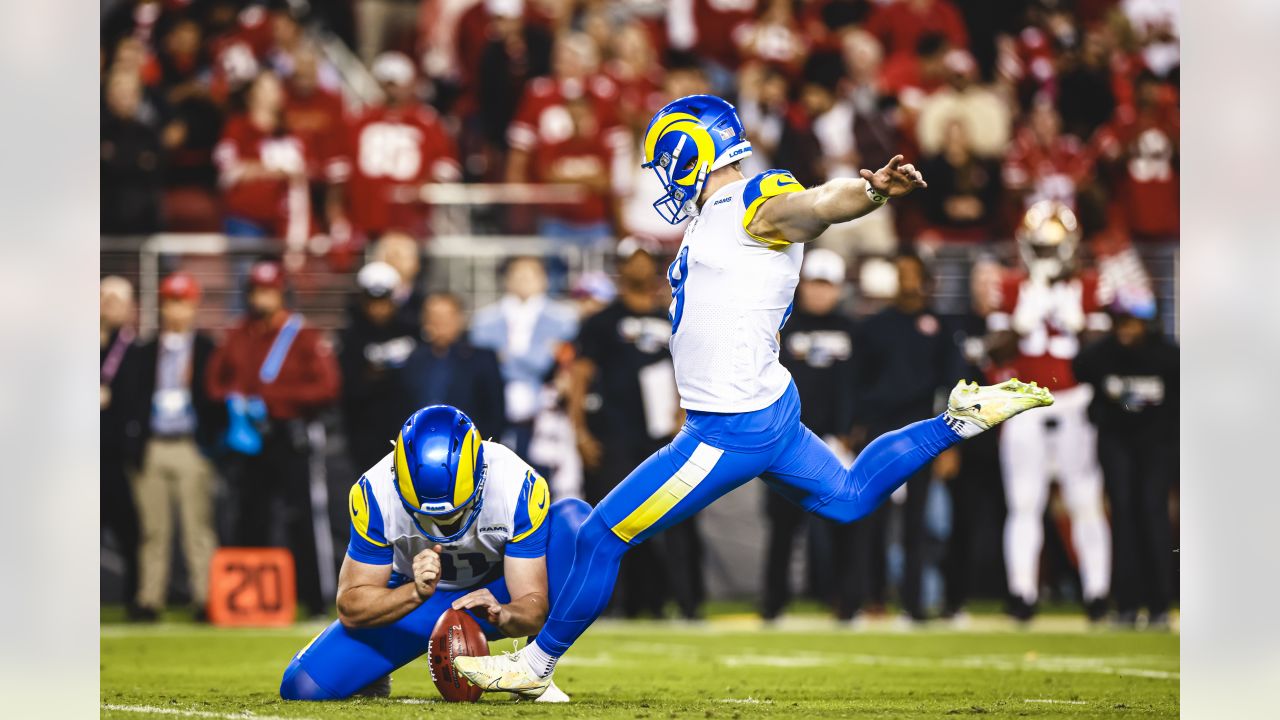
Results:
444 520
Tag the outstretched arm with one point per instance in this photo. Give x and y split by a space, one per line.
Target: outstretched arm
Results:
803 216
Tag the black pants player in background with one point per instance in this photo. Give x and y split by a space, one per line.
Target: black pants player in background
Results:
1134 374
817 347
624 407
906 358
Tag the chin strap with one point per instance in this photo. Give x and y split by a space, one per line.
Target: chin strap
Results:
691 205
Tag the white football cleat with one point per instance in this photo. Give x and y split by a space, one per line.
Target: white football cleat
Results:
507 672
973 408
553 694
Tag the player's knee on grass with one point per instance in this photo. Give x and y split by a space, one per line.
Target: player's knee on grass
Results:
299 685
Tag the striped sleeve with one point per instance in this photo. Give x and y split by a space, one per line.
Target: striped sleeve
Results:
368 542
530 527
767 184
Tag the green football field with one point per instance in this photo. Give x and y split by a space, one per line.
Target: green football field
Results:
724 668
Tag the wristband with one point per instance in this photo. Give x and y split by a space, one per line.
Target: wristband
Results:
874 195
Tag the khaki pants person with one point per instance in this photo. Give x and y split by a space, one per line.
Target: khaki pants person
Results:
174 473
378 21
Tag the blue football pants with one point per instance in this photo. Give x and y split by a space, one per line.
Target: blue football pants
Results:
341 661
713 454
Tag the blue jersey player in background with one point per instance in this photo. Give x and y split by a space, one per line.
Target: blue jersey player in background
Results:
732 284
444 520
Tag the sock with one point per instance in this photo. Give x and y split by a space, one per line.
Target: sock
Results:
960 426
538 660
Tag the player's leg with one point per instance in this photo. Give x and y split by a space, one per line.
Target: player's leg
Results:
1026 490
1081 480
1120 478
915 541
784 521
1155 468
672 484
809 473
565 516
342 661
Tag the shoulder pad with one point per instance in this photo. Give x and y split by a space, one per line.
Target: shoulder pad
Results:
366 516
532 507
767 184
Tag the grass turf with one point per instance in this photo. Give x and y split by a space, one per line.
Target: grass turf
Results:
721 669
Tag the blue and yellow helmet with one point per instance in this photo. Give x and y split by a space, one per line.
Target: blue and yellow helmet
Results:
439 469
688 139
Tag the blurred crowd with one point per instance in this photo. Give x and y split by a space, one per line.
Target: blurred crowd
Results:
237 115
218 437
1050 121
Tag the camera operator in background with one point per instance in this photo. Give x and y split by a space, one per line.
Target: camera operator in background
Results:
173 426
274 374
817 347
373 347
1134 374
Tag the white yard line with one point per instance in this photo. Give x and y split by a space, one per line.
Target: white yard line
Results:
746 701
1067 664
156 710
602 660
1051 701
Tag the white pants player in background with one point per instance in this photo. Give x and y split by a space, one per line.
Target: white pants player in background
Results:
1040 316
1056 443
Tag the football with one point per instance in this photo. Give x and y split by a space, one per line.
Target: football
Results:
456 634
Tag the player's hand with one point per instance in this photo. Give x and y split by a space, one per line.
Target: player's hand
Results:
590 449
483 602
426 572
895 179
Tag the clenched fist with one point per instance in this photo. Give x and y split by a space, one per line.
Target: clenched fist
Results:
426 572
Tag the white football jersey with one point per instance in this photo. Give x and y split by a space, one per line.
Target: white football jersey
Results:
512 516
731 294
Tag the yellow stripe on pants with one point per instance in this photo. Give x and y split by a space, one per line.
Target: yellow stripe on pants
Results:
693 472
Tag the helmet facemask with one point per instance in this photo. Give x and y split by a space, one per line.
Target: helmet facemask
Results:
1048 240
461 518
444 504
680 201
686 141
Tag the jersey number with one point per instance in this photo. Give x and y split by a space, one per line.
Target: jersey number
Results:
676 275
449 571
391 151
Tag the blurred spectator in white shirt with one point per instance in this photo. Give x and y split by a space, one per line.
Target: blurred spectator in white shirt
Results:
984 115
526 329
